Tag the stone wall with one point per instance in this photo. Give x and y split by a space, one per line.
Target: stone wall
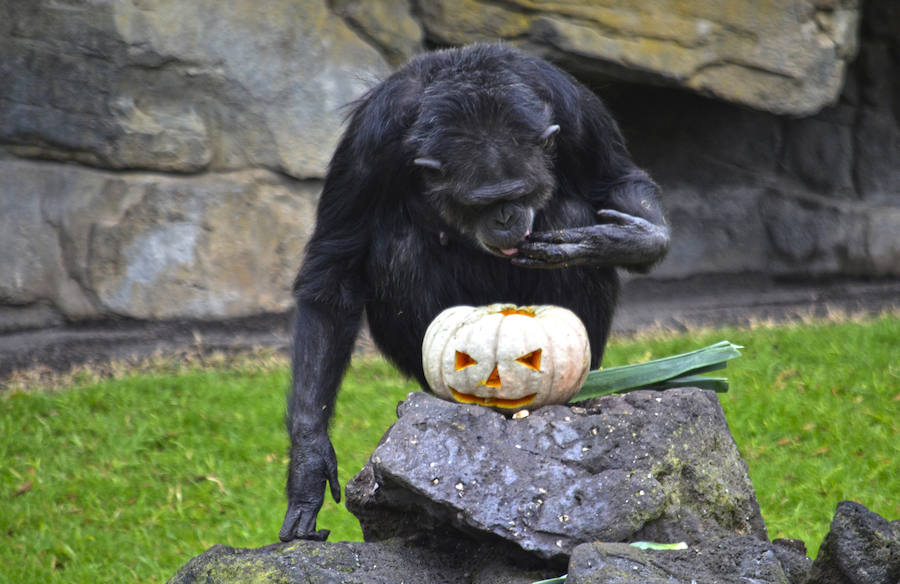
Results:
162 159
751 191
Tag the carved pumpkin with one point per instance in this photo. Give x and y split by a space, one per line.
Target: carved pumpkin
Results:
505 356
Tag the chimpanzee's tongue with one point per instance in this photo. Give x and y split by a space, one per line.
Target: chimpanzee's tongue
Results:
511 251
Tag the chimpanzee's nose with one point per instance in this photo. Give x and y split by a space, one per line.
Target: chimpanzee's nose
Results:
505 217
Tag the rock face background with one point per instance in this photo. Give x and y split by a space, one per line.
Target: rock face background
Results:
163 159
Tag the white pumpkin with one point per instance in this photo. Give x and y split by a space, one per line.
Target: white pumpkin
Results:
506 356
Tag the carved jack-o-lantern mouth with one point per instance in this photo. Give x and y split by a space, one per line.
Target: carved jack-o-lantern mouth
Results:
496 402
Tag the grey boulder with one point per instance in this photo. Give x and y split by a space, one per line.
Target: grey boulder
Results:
658 466
729 560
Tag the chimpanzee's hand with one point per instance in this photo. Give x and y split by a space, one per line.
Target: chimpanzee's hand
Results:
312 464
619 240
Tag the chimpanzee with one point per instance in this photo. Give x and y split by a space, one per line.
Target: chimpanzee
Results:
470 176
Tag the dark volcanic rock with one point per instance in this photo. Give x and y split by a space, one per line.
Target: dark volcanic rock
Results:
658 466
392 562
731 560
861 548
792 555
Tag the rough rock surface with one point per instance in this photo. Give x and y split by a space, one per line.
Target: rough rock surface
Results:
861 547
784 57
747 191
658 466
392 562
200 89
179 86
730 560
387 24
146 245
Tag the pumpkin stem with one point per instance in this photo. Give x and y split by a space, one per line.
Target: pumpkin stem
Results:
518 310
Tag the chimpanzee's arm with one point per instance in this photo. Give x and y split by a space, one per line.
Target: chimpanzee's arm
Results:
630 232
592 161
323 339
330 295
331 292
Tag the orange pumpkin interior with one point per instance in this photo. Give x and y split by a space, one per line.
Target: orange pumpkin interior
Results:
496 402
523 311
532 360
464 360
493 379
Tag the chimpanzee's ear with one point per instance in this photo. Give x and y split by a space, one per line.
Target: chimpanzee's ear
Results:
428 163
550 131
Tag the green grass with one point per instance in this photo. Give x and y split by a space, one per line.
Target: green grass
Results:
125 479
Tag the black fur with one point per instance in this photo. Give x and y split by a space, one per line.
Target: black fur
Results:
449 162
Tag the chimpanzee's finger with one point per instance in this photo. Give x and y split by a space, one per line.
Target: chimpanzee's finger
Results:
534 263
531 254
334 484
555 236
613 216
300 523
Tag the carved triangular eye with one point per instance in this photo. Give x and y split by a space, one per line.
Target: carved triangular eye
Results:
493 379
532 360
464 360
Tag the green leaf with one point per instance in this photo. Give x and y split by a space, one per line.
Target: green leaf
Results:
716 384
559 580
627 377
652 545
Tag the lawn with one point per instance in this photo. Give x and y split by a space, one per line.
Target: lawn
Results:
125 478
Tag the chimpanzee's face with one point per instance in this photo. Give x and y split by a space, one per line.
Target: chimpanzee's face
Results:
486 164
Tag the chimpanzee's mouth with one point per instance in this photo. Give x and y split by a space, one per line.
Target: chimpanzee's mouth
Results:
506 252
509 252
